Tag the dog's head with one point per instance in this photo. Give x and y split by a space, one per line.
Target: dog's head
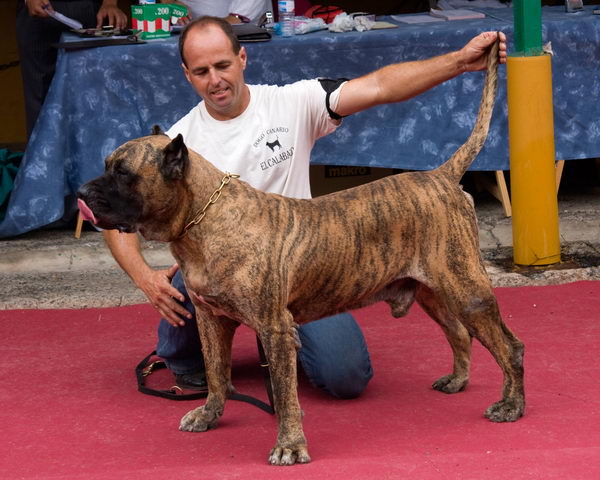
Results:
141 189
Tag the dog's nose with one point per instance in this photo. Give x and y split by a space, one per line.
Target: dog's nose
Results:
82 192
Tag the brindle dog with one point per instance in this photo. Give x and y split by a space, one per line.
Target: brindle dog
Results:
272 262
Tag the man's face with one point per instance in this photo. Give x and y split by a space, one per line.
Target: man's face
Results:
215 72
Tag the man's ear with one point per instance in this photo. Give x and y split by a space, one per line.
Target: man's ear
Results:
175 159
186 72
156 130
243 57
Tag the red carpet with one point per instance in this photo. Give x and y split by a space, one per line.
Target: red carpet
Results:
70 409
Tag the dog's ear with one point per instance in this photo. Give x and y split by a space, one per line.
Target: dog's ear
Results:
175 159
156 130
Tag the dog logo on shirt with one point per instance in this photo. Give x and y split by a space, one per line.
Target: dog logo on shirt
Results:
273 143
280 152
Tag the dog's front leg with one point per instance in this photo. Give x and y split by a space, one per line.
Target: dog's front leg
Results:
216 335
281 342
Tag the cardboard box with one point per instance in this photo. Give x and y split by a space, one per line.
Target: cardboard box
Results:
177 12
155 21
325 179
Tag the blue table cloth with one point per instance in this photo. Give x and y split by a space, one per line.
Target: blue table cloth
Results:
102 97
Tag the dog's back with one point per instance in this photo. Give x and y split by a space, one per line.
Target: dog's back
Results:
427 213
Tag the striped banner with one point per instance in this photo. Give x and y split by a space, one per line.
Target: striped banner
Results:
151 25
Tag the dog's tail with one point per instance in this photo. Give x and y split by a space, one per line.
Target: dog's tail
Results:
458 164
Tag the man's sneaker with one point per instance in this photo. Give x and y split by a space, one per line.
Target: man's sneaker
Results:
191 381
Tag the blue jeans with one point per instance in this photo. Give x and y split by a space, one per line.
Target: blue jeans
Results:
334 353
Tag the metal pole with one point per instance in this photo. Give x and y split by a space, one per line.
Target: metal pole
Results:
531 142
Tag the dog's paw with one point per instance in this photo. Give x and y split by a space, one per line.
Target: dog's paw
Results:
289 456
450 383
198 420
507 410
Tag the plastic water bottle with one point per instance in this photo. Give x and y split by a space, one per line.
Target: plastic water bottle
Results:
286 17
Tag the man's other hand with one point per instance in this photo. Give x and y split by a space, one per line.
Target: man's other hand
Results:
164 297
39 8
110 12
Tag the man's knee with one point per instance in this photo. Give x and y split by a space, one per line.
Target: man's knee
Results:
335 357
348 383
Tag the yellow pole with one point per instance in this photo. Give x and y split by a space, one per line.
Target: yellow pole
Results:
532 171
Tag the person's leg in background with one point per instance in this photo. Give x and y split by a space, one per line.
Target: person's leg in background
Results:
334 355
180 347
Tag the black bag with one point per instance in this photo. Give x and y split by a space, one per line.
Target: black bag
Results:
248 32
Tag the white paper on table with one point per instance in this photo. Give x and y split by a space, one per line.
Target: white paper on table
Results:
69 22
456 14
416 18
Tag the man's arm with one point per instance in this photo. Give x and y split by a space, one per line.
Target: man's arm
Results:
156 284
108 10
401 81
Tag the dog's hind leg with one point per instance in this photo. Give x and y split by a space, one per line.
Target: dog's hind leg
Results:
281 342
508 351
216 335
458 337
476 307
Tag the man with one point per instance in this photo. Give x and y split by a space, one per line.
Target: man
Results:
234 11
37 31
265 134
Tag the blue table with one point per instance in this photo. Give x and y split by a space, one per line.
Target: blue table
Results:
102 97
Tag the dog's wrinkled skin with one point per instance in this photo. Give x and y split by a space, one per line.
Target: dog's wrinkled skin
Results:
272 263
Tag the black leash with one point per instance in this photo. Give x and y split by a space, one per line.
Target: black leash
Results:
145 368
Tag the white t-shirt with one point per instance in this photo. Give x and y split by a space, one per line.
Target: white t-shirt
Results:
253 9
269 144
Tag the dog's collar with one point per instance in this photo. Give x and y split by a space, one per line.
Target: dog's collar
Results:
213 198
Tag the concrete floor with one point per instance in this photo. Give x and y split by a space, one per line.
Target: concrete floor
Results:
52 269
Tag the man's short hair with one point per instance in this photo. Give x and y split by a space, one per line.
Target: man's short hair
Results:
203 22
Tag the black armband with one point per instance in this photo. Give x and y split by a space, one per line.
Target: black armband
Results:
331 86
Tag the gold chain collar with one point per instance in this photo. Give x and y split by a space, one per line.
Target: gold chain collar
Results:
213 198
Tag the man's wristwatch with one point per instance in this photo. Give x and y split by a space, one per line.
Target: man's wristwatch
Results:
241 18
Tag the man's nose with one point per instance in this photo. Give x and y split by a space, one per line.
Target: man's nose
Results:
213 76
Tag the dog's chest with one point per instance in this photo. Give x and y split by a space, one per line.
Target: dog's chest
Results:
210 303
201 293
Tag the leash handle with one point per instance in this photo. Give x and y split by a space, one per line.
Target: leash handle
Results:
145 368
